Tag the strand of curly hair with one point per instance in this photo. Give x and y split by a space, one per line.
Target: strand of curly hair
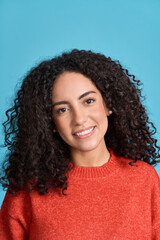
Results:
37 158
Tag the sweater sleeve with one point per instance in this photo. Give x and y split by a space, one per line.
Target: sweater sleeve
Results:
15 216
155 201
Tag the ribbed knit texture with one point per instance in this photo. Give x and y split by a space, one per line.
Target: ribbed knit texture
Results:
115 201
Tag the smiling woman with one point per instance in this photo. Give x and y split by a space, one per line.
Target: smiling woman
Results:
80 116
80 144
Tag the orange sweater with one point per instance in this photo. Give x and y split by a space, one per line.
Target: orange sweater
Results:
113 202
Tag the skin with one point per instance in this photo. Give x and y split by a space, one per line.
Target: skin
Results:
78 105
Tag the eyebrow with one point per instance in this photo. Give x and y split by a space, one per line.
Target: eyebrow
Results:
80 97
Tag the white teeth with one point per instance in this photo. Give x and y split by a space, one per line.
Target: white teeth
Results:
84 132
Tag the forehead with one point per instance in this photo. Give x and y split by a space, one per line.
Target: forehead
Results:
72 83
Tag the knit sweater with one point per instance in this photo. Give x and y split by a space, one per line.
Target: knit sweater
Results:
114 201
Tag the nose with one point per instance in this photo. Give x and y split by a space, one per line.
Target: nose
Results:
79 117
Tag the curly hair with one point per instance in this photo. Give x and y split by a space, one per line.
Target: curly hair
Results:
37 158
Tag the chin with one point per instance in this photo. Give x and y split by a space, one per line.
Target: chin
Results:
87 147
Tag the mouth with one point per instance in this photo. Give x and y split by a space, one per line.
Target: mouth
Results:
84 133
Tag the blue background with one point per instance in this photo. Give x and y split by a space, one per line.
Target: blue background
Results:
33 30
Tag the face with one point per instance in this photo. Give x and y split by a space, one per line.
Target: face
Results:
79 112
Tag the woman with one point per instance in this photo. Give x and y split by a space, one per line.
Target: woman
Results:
81 154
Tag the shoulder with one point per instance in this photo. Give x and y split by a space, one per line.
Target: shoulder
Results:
144 167
16 203
13 202
23 200
137 170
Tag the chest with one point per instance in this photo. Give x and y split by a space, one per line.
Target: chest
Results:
94 210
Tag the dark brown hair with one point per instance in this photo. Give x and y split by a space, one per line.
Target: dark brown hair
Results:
39 159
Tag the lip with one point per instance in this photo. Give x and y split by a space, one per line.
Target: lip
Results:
82 130
86 135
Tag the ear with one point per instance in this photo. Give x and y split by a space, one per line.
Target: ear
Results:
108 112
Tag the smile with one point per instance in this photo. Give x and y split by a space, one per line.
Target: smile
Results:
85 133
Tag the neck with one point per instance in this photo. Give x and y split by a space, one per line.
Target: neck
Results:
93 158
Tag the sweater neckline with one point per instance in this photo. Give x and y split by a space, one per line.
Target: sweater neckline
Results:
95 172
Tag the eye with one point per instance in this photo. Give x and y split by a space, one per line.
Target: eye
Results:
61 110
89 101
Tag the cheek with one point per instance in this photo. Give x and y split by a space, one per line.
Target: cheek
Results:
101 118
60 126
100 113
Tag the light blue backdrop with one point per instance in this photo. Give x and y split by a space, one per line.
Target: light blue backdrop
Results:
33 30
